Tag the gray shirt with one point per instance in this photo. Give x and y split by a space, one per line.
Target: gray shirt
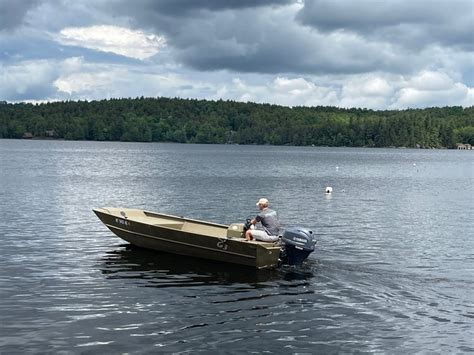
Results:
269 220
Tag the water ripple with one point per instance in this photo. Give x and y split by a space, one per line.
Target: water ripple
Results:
393 268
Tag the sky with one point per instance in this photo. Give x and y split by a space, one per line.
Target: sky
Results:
376 54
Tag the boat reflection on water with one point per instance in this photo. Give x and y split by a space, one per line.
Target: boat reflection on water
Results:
159 269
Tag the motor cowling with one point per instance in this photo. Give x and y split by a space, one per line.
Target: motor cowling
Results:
248 223
297 244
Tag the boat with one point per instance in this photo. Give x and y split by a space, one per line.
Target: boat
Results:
206 240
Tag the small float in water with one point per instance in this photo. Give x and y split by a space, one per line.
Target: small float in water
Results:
207 240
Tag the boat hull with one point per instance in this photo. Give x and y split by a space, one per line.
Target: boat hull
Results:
188 237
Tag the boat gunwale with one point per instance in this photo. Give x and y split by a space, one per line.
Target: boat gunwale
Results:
154 214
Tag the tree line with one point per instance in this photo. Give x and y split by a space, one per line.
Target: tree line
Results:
203 121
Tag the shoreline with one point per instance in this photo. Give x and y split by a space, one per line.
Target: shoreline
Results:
262 145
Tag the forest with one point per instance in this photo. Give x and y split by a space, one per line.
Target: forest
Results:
230 122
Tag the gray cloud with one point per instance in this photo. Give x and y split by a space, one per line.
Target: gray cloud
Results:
264 41
13 12
281 51
288 53
419 23
323 36
179 8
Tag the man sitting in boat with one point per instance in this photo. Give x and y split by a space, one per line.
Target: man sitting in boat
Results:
269 221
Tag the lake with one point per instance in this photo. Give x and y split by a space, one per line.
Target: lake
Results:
393 271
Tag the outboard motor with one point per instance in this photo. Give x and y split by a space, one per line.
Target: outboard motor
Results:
248 223
297 244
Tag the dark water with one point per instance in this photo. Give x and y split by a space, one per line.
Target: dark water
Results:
394 269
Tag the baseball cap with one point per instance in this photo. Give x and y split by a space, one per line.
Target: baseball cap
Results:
262 201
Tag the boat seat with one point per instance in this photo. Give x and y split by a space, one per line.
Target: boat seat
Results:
170 224
236 230
204 229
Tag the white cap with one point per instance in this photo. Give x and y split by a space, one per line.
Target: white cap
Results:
262 201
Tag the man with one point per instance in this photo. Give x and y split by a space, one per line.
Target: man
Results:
269 220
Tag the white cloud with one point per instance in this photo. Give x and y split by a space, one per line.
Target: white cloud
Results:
27 79
118 40
75 78
300 92
431 81
371 85
276 90
72 64
432 88
457 94
81 83
97 81
295 87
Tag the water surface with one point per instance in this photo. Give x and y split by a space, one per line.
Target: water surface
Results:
393 271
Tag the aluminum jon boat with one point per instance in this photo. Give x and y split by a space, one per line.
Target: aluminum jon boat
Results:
207 240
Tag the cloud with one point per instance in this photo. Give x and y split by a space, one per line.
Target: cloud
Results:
98 81
118 40
428 89
186 8
301 92
368 91
267 41
370 53
13 12
27 80
373 91
280 90
412 23
431 81
74 78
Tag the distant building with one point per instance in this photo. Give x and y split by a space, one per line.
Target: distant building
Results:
27 135
49 133
462 146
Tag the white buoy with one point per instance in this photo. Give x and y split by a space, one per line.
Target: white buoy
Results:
414 164
328 189
337 168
